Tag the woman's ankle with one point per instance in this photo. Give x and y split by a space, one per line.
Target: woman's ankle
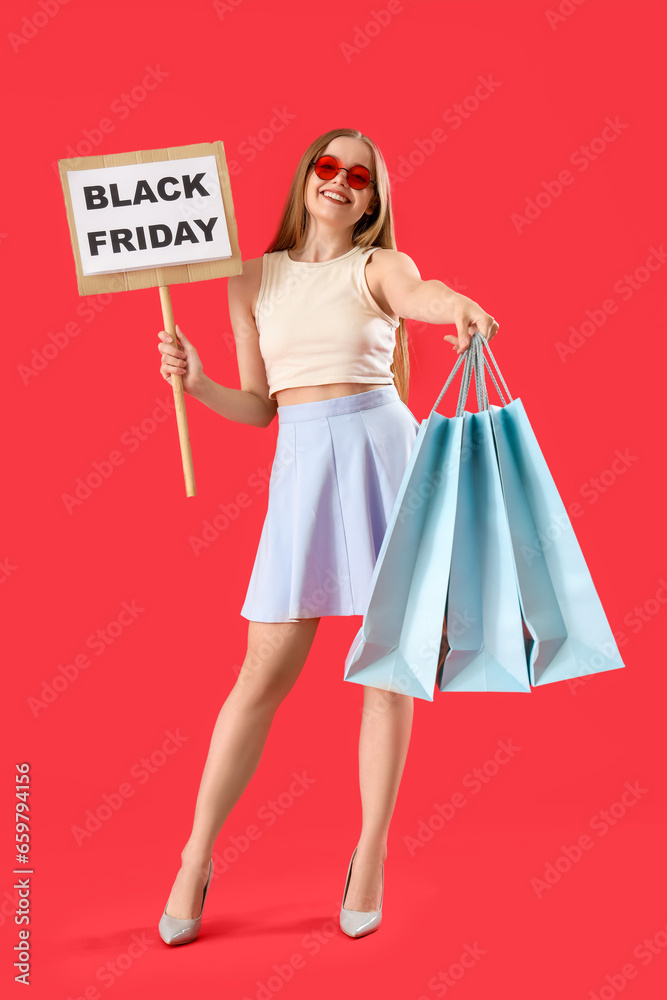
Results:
194 857
371 847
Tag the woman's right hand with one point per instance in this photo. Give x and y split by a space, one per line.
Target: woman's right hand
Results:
176 361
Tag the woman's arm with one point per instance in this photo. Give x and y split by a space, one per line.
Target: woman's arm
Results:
250 404
240 405
430 301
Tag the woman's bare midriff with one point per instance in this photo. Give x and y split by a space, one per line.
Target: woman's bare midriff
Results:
313 393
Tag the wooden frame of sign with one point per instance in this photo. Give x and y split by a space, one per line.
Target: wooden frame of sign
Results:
161 277
125 281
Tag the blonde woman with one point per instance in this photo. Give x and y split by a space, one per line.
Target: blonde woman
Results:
321 344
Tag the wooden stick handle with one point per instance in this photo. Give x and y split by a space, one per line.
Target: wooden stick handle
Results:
179 396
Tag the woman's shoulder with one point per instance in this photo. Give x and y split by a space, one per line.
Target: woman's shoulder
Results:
386 253
385 260
243 288
252 271
387 257
249 265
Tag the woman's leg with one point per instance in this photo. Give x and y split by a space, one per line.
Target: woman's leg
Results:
386 724
276 654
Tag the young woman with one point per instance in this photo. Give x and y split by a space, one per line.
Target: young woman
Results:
321 342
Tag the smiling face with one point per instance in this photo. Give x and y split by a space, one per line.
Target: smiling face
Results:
347 212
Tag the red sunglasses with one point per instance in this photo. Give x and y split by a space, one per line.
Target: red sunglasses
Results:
328 166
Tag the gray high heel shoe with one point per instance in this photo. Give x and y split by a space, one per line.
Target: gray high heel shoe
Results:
356 923
173 930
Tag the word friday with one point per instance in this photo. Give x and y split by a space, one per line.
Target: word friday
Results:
158 235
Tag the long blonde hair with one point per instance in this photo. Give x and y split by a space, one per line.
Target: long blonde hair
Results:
376 229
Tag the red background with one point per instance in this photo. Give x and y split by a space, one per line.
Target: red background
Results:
67 574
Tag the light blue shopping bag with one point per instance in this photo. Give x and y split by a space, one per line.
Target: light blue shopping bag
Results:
560 604
483 621
397 647
568 632
465 590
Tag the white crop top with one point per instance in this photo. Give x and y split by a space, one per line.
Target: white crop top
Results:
318 322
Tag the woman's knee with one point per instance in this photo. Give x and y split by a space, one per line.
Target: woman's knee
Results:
377 701
276 654
389 697
261 685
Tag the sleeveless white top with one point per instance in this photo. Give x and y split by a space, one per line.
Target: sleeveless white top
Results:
318 322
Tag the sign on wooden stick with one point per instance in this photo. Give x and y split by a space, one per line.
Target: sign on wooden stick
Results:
152 218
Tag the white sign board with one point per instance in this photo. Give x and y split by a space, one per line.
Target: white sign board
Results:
145 215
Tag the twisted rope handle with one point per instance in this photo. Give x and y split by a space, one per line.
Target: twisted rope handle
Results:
459 361
480 384
484 344
475 358
478 361
471 362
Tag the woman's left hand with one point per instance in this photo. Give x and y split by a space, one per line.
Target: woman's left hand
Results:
470 318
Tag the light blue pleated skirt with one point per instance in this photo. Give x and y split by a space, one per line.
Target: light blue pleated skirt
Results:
336 472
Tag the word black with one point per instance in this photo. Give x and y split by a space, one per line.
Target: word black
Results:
96 198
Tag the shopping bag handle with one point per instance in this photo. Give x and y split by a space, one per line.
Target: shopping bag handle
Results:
475 357
480 360
472 361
